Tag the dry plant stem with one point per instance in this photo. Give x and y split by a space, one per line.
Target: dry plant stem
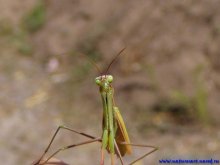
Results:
54 161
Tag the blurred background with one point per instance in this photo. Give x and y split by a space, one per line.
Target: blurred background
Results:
167 81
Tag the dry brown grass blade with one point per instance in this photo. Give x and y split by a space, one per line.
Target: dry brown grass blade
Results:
52 161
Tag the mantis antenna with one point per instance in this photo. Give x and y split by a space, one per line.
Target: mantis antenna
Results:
96 66
114 60
92 62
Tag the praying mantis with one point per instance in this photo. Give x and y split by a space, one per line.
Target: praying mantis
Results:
114 137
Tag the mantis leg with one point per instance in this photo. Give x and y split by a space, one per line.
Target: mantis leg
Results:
119 154
55 134
144 155
68 147
104 145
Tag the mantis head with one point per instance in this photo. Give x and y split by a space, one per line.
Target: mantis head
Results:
104 81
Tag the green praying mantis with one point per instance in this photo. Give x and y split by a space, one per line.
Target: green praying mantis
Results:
114 137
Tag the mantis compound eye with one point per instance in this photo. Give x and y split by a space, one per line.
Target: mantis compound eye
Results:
97 81
110 78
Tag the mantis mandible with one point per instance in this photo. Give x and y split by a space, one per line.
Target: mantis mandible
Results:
114 137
